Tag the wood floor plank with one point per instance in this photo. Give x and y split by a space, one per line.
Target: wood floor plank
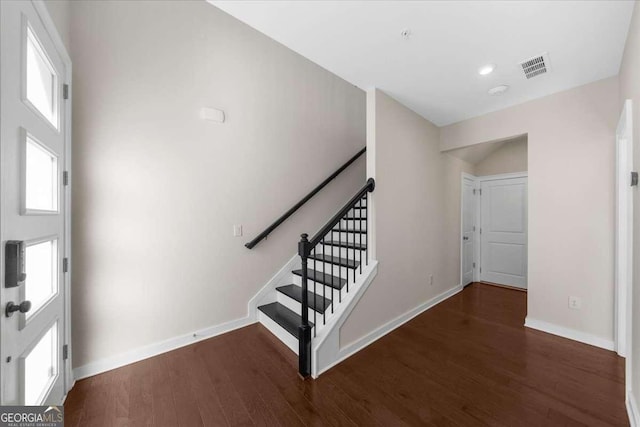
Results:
265 388
140 394
185 401
468 361
164 407
244 382
206 394
277 368
234 409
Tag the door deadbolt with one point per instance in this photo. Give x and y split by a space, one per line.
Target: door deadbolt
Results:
23 307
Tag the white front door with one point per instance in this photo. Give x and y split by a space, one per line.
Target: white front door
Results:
34 212
503 232
468 229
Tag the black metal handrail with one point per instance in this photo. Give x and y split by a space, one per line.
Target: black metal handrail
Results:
304 200
317 238
307 248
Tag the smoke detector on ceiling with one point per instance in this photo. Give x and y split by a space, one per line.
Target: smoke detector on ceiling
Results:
498 90
536 66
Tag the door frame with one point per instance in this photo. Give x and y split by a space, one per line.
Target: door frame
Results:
624 233
43 13
474 179
477 255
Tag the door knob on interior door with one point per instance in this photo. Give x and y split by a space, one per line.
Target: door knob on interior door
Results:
23 307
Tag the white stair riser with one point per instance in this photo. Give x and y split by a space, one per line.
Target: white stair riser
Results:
296 307
357 213
318 266
278 331
347 237
354 225
319 287
342 252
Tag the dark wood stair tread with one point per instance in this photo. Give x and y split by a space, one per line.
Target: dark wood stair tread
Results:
284 317
348 245
343 262
318 303
325 279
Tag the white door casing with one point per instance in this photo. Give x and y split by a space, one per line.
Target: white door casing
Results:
503 231
34 153
468 228
624 229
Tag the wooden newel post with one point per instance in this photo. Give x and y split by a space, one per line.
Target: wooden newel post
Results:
304 330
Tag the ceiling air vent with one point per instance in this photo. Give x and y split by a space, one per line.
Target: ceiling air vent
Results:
535 66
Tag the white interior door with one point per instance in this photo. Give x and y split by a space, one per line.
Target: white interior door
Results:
468 229
503 232
34 212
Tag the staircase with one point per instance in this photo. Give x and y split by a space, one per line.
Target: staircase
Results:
334 266
312 296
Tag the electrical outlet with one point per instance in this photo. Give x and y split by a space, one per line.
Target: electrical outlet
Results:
575 303
431 280
237 230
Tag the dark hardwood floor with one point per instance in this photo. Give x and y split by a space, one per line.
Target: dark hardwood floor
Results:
467 362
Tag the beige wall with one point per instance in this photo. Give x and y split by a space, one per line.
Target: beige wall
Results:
571 148
157 190
417 216
510 157
630 89
60 12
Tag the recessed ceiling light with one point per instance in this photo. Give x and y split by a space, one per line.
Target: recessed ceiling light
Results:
498 90
487 69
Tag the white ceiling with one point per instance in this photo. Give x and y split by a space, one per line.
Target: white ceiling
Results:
434 71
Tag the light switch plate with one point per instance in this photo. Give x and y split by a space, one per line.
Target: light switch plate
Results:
237 230
212 114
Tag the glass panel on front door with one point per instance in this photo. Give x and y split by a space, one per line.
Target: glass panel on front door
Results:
41 260
41 178
41 80
41 367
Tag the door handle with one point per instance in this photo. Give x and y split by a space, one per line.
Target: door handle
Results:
23 307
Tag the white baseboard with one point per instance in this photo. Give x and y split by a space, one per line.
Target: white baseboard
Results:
571 334
632 409
354 347
155 349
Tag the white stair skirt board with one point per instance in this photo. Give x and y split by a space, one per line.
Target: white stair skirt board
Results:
571 334
338 355
632 410
155 349
325 346
267 294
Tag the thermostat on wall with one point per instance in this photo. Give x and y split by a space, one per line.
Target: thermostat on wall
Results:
212 114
